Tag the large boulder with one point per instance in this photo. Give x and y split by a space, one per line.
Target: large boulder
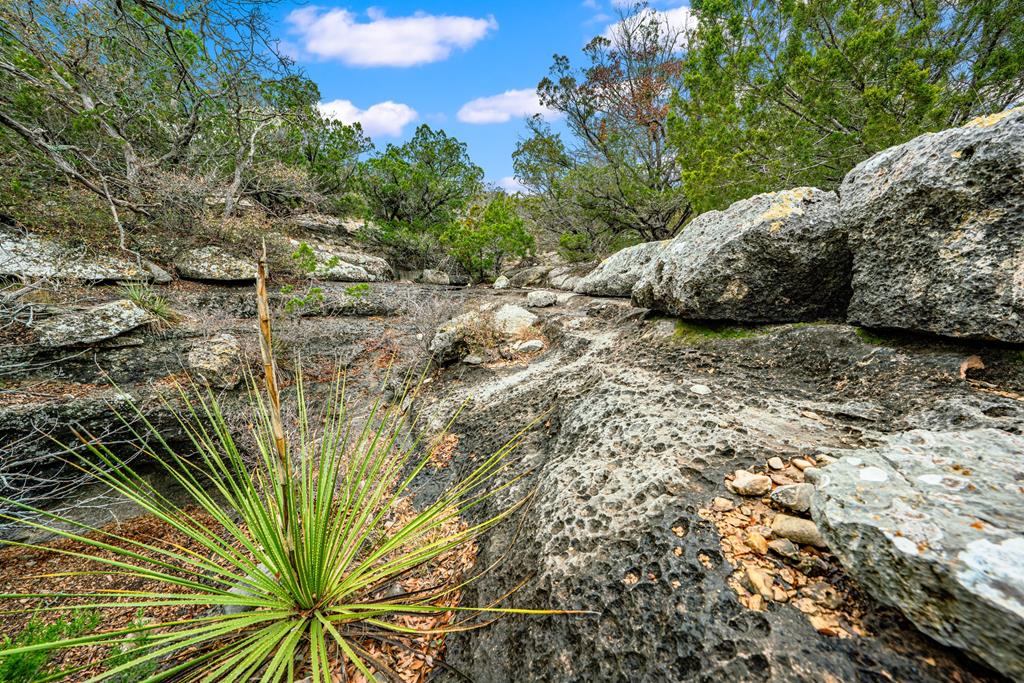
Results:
618 273
92 324
213 263
936 227
775 257
933 524
30 256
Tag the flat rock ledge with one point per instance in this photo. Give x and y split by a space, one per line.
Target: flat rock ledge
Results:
933 524
92 325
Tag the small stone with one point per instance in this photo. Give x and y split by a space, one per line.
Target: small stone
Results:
720 504
812 475
798 530
474 359
784 547
801 464
759 581
796 497
826 459
541 299
530 346
757 542
700 389
781 479
502 282
776 463
747 484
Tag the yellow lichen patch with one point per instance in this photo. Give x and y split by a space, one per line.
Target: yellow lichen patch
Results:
991 119
786 204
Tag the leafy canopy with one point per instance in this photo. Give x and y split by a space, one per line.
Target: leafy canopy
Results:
783 93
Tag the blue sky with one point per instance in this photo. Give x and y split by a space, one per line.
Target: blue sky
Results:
468 67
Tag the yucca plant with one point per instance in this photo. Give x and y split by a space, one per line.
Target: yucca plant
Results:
143 296
303 570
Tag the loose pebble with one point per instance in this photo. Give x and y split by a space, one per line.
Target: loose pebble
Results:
798 530
748 484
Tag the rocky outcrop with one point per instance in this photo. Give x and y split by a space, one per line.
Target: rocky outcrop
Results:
629 453
29 256
775 257
217 361
936 226
619 273
91 325
215 264
434 277
933 523
337 264
532 276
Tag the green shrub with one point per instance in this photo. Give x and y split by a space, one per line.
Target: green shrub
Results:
575 247
488 235
358 290
28 665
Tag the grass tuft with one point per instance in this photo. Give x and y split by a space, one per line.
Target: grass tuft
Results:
143 296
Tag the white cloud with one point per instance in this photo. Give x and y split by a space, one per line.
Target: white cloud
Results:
383 118
384 41
504 107
679 20
512 186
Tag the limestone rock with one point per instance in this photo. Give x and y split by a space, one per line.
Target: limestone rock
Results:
748 484
511 319
775 257
533 276
213 263
617 274
30 256
91 325
530 346
501 282
936 227
217 361
449 341
798 530
338 264
933 524
541 299
567 277
796 497
434 277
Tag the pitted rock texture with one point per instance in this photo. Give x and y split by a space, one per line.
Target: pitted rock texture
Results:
775 257
933 523
617 274
92 325
618 470
936 226
213 263
30 256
